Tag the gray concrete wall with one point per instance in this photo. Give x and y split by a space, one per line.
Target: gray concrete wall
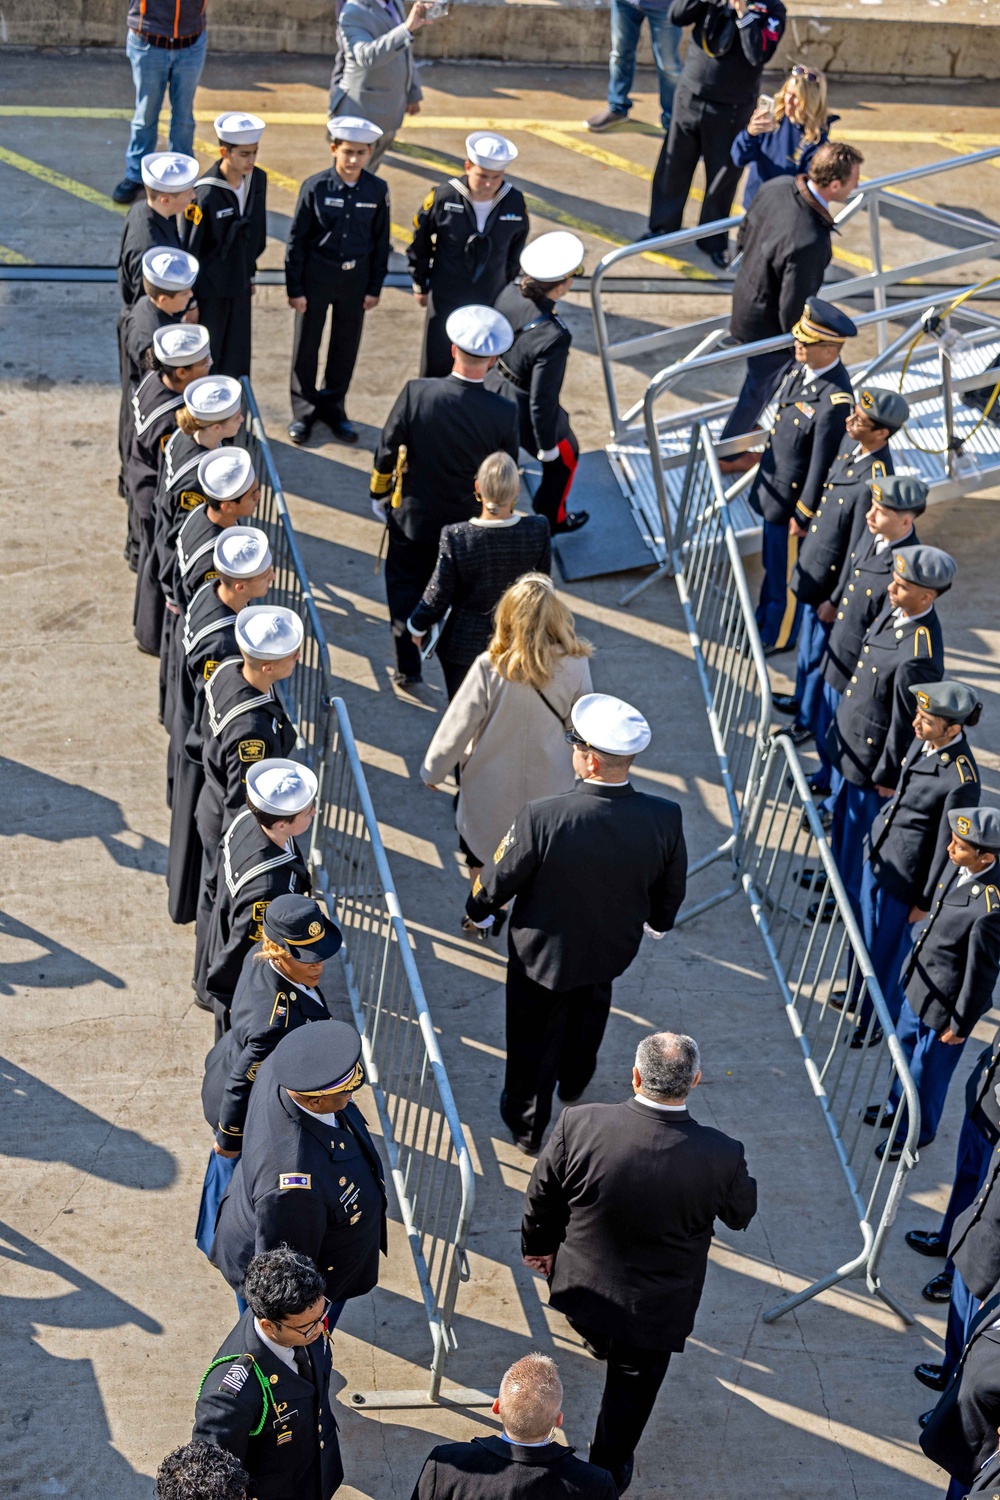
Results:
831 35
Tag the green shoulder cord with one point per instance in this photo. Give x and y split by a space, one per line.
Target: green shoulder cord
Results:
264 1386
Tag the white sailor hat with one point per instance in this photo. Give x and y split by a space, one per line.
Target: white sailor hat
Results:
234 128
242 552
479 330
226 473
552 257
281 787
169 270
181 344
213 398
352 128
268 632
169 171
605 723
484 148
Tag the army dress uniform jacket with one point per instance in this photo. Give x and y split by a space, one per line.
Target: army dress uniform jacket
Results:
252 870
338 226
490 1468
807 435
836 527
951 972
448 426
908 843
859 597
295 1455
456 263
531 372
961 1435
226 242
319 1188
588 868
267 1005
144 230
874 725
975 1238
626 1196
241 725
981 1102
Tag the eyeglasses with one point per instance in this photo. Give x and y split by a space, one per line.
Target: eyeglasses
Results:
808 73
307 1330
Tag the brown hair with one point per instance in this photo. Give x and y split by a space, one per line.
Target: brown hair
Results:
833 162
531 628
189 423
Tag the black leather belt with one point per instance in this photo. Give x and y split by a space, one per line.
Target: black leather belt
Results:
515 380
167 43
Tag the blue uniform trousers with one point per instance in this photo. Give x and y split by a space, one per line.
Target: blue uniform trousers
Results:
972 1162
809 684
827 703
886 928
778 610
961 1310
931 1065
853 815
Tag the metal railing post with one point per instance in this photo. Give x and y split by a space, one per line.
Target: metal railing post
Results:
875 239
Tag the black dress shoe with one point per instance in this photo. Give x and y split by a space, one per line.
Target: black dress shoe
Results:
127 191
873 1115
343 430
829 910
893 1149
938 1289
927 1242
785 703
299 431
932 1376
819 786
719 258
622 1478
840 1000
571 521
862 1039
812 880
401 680
798 734
777 650
924 1418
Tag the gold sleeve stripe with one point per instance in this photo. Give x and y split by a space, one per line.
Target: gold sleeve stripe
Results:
380 484
841 398
477 886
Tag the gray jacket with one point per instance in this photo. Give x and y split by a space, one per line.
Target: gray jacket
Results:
378 79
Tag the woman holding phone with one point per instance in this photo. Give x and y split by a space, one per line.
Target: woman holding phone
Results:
785 131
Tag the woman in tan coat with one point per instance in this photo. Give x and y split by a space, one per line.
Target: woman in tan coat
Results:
506 725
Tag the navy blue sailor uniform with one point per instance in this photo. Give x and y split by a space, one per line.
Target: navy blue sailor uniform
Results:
144 229
228 239
588 868
154 408
455 263
906 852
833 530
302 1181
250 871
136 327
873 727
274 1416
531 375
808 431
338 254
193 561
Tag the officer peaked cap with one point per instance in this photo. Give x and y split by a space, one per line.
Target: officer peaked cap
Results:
479 330
886 408
609 724
927 567
899 492
822 323
977 825
321 1058
946 700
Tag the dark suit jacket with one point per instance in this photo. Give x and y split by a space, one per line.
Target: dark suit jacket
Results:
988 1478
627 1196
962 1432
490 1468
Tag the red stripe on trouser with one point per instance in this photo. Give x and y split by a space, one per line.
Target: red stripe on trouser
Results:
570 459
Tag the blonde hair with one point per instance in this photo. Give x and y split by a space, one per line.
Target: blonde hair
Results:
531 627
269 949
498 481
814 112
530 1398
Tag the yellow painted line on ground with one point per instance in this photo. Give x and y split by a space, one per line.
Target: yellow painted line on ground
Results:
13 257
957 143
58 180
595 153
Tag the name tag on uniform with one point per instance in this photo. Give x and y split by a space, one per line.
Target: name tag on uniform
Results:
223 213
805 408
366 205
510 219
334 202
453 208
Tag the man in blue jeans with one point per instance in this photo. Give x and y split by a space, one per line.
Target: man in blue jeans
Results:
165 46
626 25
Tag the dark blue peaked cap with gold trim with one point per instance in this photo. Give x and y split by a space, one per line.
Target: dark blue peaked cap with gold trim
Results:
822 323
321 1058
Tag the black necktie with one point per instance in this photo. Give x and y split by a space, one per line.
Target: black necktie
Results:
303 1363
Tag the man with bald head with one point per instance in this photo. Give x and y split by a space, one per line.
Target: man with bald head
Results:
619 1216
524 1459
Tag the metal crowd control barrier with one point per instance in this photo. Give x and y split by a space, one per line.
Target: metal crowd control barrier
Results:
428 1156
307 693
779 855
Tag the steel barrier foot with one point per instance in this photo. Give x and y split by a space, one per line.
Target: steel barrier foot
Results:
458 1396
690 912
665 570
899 1308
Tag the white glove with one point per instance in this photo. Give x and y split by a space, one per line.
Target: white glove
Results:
656 936
546 455
380 509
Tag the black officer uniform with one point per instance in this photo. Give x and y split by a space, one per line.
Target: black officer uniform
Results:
154 418
961 1435
456 264
252 870
338 254
447 428
713 102
304 1180
837 526
275 1417
145 229
907 848
588 868
495 1468
531 375
228 243
808 431
988 1478
952 971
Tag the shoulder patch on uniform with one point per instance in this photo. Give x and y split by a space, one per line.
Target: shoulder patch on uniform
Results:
257 911
966 770
193 214
922 645
841 398
191 499
236 1377
251 750
507 842
294 1180
208 669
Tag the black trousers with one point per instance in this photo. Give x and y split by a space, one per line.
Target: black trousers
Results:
552 495
760 382
341 293
700 129
553 1036
630 1389
455 673
408 569
228 322
435 352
